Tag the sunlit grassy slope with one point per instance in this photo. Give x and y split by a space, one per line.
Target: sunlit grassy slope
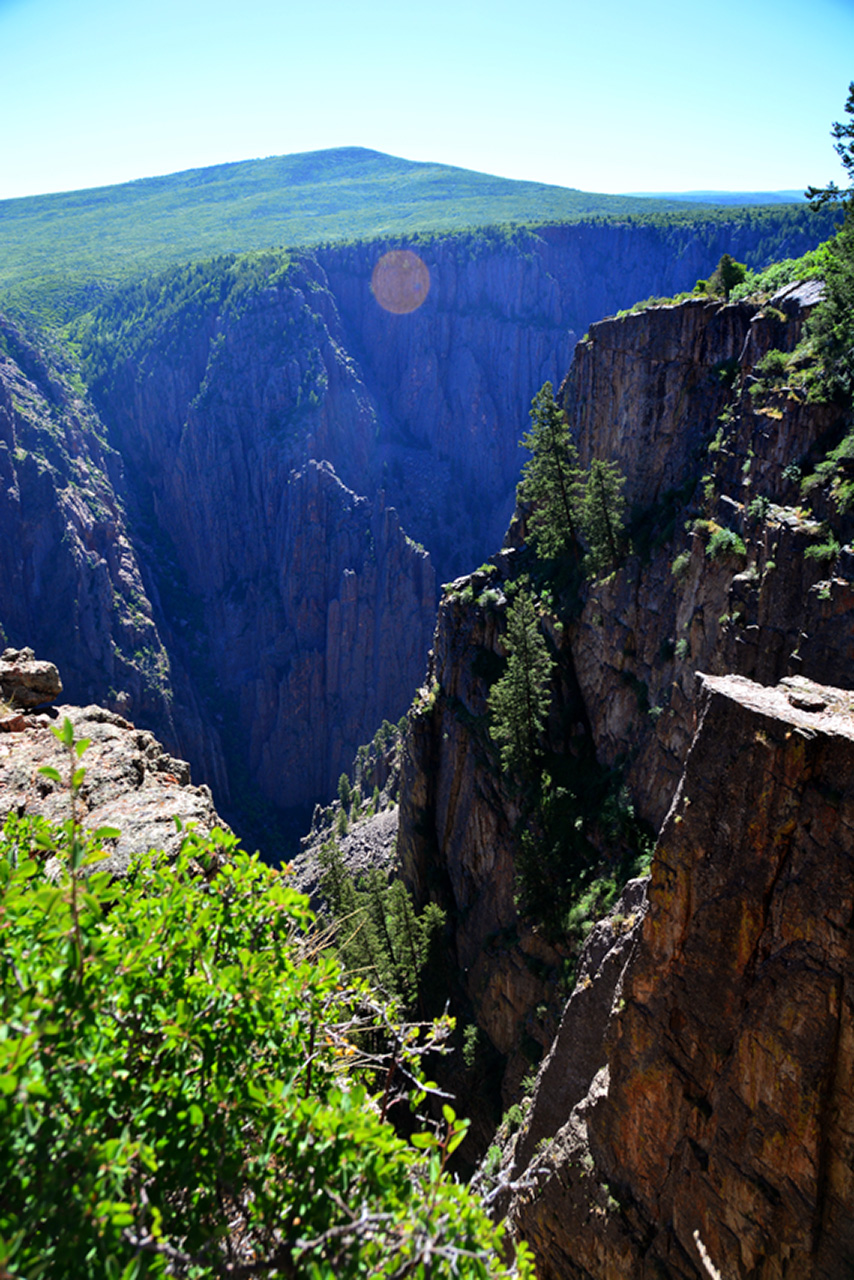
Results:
59 252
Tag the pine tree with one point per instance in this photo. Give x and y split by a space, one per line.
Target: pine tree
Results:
519 702
831 325
602 515
843 132
727 274
550 477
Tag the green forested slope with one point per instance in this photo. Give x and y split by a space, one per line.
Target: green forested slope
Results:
58 253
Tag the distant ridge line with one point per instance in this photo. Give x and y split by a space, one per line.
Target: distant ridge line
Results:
59 250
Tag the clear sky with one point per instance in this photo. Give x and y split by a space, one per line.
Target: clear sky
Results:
622 95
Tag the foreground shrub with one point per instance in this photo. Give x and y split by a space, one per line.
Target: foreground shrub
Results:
188 1085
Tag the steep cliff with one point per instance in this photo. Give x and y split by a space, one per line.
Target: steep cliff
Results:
452 382
727 580
717 1118
730 572
70 572
306 608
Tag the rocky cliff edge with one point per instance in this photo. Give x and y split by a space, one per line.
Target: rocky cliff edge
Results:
720 1111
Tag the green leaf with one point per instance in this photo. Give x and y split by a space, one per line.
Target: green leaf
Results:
457 1137
81 746
106 833
423 1140
50 772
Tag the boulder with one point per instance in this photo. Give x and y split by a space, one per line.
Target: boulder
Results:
25 681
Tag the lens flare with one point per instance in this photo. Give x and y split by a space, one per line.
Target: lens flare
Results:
400 282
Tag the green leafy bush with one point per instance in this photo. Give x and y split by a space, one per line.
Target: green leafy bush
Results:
679 568
758 507
773 365
824 552
187 1085
725 542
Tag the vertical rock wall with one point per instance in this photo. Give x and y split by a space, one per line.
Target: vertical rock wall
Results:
724 1110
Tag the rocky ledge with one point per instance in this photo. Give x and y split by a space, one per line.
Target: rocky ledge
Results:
25 682
131 782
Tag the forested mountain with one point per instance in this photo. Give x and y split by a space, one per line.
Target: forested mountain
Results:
60 253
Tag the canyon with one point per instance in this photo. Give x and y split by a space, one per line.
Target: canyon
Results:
222 530
241 525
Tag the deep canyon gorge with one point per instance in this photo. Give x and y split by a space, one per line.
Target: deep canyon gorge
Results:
234 534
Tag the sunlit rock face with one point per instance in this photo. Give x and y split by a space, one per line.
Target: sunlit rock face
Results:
131 784
666 394
722 1112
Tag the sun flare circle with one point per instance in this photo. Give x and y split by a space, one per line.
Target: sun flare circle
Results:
400 281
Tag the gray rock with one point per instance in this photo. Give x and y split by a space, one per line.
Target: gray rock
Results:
25 681
130 783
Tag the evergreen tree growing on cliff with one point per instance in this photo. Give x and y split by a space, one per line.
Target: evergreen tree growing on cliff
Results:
551 478
843 132
831 326
602 515
727 274
519 702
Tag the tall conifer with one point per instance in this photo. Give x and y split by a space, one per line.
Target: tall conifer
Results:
519 702
602 514
551 478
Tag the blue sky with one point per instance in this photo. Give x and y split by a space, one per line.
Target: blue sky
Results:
629 95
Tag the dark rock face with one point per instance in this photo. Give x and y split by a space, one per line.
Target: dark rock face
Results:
723 1112
452 383
304 608
71 580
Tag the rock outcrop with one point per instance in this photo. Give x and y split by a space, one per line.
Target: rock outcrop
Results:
721 1113
131 782
27 682
727 576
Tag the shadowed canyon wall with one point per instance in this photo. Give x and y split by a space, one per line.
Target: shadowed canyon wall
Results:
278 432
